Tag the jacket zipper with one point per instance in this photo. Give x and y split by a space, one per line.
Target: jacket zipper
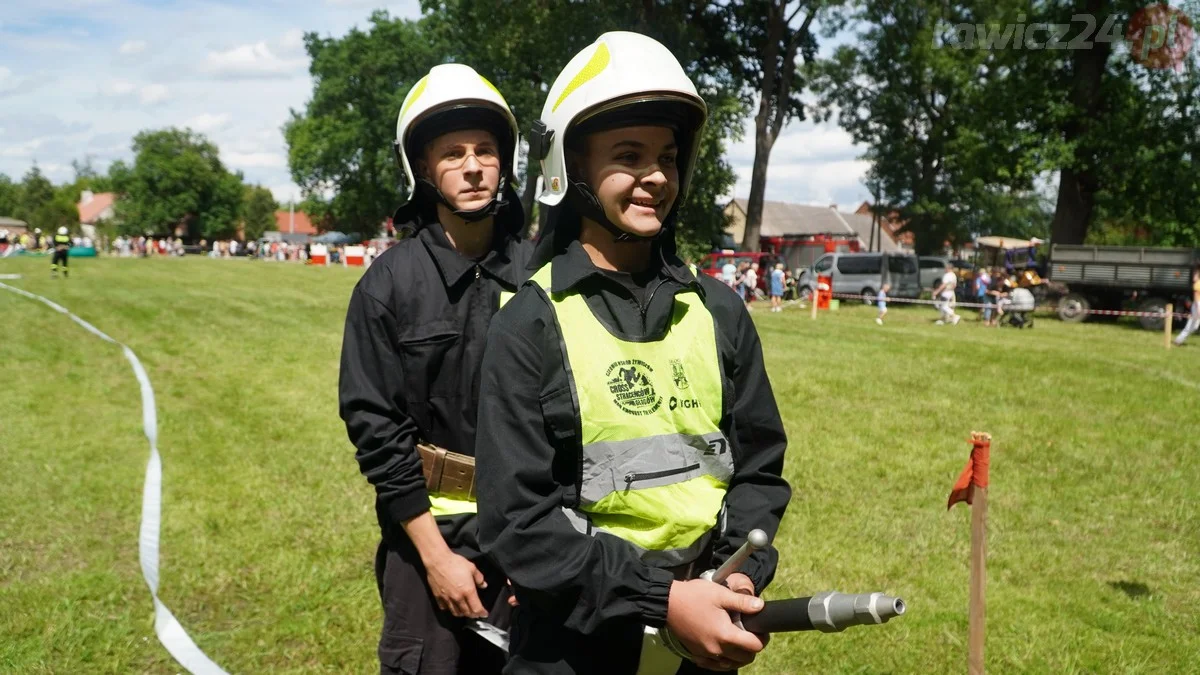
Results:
646 306
477 273
630 478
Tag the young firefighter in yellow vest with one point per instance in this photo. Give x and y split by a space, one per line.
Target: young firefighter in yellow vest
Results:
411 353
628 437
62 253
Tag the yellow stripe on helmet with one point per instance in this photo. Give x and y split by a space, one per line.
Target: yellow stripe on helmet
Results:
592 68
493 88
415 94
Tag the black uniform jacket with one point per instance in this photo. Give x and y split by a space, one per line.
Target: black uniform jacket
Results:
411 354
582 596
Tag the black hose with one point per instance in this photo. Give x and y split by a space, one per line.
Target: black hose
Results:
780 616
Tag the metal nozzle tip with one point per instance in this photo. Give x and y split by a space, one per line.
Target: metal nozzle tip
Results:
758 539
898 606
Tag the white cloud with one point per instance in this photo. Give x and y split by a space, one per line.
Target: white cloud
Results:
254 159
147 94
815 182
25 149
5 73
292 40
810 164
153 93
285 193
130 47
251 60
118 88
207 122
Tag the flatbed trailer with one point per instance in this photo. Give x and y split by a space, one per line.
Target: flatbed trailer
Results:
1122 277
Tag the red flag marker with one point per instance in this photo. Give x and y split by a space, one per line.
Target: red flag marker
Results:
971 488
974 473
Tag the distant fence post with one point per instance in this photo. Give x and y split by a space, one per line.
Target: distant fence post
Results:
1167 325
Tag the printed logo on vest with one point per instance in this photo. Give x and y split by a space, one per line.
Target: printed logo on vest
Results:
630 385
717 446
681 381
687 403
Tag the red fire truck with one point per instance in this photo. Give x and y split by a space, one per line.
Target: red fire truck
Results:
796 252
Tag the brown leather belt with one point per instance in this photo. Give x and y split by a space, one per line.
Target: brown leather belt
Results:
447 473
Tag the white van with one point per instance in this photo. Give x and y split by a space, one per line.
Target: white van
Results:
864 273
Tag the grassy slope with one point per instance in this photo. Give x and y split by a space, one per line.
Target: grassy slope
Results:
268 530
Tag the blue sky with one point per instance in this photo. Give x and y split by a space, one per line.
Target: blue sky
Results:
81 77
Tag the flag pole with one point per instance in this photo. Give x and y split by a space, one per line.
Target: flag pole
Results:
976 626
971 487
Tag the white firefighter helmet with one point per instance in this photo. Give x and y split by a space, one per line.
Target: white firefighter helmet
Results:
62 230
453 97
621 79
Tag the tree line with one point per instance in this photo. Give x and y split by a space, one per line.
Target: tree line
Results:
960 133
1075 120
176 180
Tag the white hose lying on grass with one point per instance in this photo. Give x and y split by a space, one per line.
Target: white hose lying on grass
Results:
170 633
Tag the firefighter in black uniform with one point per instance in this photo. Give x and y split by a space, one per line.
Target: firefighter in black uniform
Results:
409 382
628 436
62 249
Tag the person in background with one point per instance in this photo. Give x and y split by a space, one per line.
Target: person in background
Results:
998 293
777 277
981 283
751 281
729 273
881 302
62 253
1193 323
944 295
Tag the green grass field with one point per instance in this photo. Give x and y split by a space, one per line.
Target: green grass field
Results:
269 533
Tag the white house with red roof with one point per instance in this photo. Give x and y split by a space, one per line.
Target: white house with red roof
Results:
95 207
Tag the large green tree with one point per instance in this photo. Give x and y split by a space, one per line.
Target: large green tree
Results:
177 180
962 104
340 145
258 211
772 36
43 206
10 196
1127 120
1147 156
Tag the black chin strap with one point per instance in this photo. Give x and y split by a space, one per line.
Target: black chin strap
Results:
488 210
588 204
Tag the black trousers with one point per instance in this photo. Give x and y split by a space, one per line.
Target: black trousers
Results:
420 639
60 258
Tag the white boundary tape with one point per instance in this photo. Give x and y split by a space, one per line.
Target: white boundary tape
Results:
170 633
977 305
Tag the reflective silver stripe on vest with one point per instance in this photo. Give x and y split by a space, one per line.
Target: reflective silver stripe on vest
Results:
653 461
672 558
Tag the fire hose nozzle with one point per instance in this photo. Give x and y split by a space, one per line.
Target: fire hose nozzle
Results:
832 612
828 612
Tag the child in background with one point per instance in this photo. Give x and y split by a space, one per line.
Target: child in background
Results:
777 277
881 302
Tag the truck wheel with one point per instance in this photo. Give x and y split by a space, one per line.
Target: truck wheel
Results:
1157 306
1073 308
868 296
806 293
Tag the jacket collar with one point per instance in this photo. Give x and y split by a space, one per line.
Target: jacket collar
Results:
573 266
453 266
